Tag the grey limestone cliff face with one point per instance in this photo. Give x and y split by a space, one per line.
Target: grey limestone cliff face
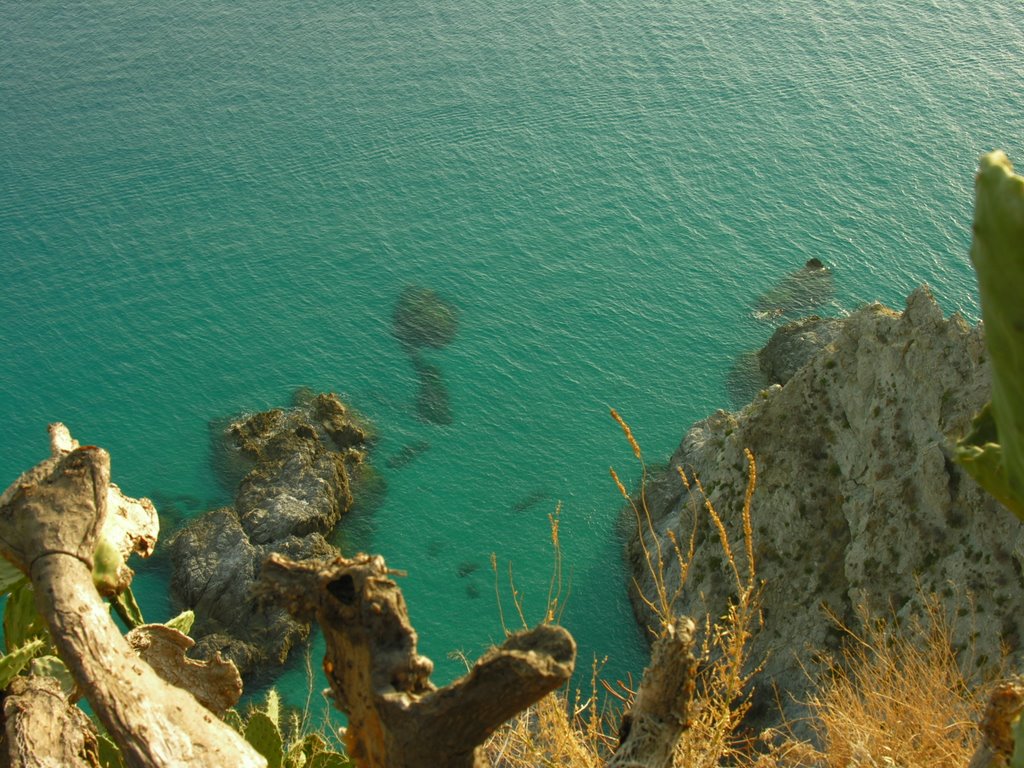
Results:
295 488
858 499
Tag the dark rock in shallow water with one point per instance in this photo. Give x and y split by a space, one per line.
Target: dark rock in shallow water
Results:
407 454
744 379
799 293
423 319
532 499
289 501
432 402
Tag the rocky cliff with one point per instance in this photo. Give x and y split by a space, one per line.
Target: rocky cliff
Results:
858 500
295 486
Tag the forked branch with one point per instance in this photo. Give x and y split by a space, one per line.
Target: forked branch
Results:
397 718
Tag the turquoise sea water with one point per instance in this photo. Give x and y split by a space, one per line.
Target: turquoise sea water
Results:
204 206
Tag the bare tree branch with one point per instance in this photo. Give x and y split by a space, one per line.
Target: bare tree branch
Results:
660 712
397 718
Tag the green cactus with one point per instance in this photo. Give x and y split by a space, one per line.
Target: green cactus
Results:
994 451
182 622
22 621
262 729
11 664
264 734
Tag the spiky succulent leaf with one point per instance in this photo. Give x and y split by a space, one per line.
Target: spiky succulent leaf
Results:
982 456
107 565
14 662
997 252
265 737
22 621
182 622
126 607
273 708
232 718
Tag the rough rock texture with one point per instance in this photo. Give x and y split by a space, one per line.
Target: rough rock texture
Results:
291 498
794 344
858 499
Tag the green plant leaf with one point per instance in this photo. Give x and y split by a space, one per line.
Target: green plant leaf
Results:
22 621
126 607
981 455
273 709
110 755
301 752
264 736
997 253
10 576
182 622
232 718
14 662
53 666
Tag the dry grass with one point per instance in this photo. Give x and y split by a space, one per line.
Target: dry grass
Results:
897 697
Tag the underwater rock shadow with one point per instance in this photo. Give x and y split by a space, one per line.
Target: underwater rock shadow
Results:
433 404
745 380
407 454
799 293
423 320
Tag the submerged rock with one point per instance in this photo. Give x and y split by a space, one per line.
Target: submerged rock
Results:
407 454
799 293
432 402
858 499
422 318
288 502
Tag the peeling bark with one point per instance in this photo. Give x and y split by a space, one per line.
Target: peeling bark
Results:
397 717
215 683
42 730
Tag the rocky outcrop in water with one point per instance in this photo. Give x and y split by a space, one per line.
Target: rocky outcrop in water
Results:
792 345
294 490
858 499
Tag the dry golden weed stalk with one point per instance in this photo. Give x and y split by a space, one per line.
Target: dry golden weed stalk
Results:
898 696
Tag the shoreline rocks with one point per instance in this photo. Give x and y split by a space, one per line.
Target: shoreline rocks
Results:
858 499
294 493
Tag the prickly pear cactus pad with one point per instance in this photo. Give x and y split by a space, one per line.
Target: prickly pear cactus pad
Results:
997 252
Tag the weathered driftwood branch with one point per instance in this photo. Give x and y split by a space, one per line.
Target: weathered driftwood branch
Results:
660 712
397 718
42 730
50 524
